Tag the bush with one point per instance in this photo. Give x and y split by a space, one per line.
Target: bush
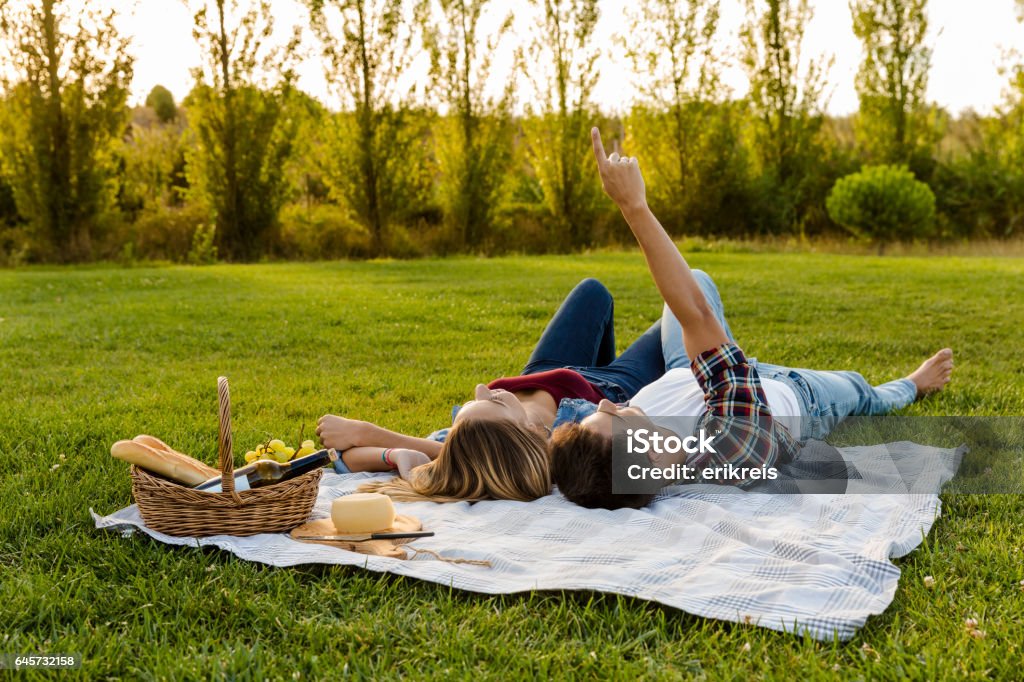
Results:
203 251
16 245
321 232
884 203
980 189
167 232
977 198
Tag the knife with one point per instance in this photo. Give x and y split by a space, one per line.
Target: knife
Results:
370 536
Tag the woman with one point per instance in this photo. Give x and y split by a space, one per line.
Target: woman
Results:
497 445
758 411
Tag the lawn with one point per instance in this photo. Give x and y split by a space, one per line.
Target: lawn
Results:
93 355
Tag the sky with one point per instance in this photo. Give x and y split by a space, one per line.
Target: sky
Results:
969 42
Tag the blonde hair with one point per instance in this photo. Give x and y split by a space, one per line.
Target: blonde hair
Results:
480 460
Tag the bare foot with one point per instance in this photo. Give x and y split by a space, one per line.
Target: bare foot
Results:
934 373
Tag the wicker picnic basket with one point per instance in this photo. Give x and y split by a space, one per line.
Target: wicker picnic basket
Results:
174 509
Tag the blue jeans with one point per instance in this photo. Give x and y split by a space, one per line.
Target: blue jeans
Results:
826 397
581 337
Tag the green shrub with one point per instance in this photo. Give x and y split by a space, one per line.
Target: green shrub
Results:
167 232
884 203
203 251
980 192
16 245
321 232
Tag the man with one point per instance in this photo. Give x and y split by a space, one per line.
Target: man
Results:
759 410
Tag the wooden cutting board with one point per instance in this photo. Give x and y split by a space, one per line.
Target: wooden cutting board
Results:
389 548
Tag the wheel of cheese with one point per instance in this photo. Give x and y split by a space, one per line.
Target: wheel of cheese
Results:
362 513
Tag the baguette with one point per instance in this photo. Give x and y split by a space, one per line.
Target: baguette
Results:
160 446
167 462
157 444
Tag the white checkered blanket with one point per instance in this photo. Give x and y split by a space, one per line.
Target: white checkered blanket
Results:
814 564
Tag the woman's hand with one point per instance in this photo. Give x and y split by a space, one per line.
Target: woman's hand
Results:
407 460
341 433
620 176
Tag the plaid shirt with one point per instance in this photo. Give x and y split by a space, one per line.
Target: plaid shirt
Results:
737 407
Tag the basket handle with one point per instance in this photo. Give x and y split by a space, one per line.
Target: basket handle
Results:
227 459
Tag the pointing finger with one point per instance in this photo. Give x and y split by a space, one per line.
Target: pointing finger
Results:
595 138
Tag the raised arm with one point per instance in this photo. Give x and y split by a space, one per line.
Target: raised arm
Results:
623 182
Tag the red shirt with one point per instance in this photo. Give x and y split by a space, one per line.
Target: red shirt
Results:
559 383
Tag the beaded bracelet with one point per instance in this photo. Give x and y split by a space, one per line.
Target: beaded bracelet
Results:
386 458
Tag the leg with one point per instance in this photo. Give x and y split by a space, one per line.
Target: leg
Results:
847 394
581 332
672 332
830 397
639 365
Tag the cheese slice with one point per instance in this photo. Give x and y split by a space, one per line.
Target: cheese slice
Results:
362 513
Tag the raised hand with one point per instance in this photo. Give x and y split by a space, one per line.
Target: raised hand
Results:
620 176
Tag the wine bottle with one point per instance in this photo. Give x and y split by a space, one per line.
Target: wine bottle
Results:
264 472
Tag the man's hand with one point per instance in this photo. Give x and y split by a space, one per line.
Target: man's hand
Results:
620 176
341 433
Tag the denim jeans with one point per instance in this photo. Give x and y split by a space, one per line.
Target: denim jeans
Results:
826 397
672 331
581 337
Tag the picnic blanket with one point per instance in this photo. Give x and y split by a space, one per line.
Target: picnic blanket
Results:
803 563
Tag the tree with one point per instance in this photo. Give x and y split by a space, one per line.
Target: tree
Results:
682 128
981 193
787 109
238 113
65 83
474 138
561 64
894 124
154 161
161 101
376 165
8 208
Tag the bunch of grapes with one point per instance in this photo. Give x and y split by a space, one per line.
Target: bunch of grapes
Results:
277 450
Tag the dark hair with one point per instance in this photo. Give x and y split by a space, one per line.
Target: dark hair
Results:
581 467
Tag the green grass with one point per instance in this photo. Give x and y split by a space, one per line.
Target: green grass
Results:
92 355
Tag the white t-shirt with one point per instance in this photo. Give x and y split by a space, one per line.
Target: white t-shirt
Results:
677 394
